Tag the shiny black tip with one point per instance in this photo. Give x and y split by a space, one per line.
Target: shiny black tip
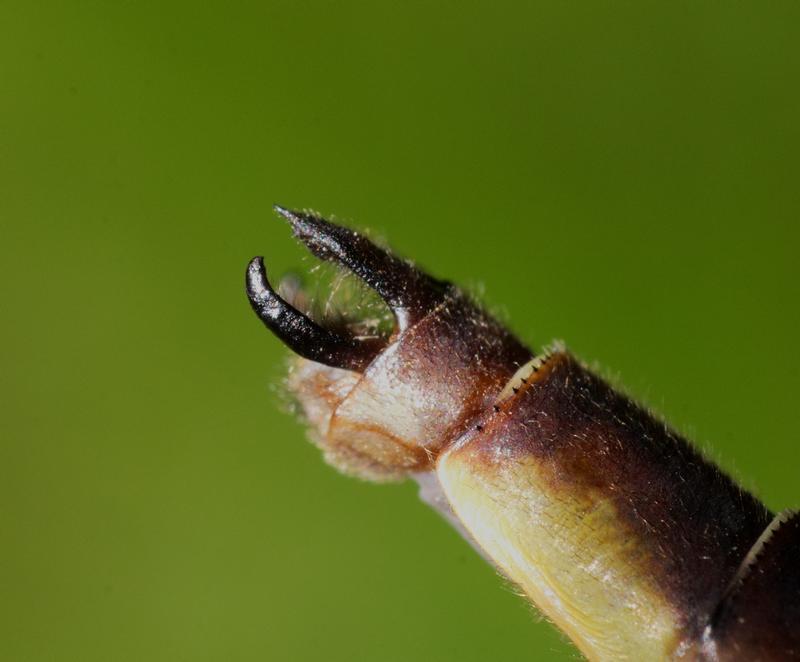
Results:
409 292
301 334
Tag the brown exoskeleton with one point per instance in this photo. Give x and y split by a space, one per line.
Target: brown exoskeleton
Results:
628 539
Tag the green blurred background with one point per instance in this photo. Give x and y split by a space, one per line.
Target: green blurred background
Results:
620 175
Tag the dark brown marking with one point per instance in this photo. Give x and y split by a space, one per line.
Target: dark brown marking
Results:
696 522
759 619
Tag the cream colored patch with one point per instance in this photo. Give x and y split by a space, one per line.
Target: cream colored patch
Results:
319 389
356 435
569 553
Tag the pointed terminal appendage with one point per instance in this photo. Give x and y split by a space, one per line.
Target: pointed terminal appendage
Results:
409 292
301 334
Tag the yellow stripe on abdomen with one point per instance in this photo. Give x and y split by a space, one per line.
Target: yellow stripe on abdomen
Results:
570 554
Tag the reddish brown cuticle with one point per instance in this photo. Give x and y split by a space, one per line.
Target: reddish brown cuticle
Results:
697 522
439 390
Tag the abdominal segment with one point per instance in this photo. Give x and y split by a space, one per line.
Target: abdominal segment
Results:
610 522
625 536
